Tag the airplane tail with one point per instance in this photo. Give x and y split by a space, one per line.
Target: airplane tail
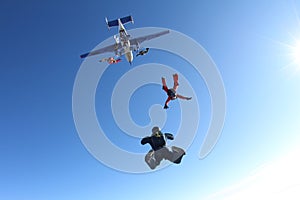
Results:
115 22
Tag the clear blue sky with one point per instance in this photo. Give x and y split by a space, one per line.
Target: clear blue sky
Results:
41 154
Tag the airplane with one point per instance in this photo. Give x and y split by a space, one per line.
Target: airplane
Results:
124 44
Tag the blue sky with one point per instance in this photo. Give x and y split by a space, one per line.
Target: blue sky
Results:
41 154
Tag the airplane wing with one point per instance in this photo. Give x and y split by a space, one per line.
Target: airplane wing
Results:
137 41
110 48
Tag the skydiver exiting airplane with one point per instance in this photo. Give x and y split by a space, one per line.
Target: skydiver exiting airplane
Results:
143 52
172 95
110 60
159 150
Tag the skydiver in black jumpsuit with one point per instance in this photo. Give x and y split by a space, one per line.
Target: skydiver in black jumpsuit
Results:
143 52
159 150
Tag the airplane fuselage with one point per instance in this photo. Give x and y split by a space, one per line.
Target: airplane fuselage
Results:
125 42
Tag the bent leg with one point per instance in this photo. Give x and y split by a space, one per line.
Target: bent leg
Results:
150 160
178 153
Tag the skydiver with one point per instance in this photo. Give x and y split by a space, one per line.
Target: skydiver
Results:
110 60
143 52
172 95
159 150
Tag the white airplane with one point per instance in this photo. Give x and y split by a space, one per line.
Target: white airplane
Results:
124 44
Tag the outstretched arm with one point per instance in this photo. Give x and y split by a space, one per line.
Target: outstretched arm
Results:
167 102
169 136
145 140
183 97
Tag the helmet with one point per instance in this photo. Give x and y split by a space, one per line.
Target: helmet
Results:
155 129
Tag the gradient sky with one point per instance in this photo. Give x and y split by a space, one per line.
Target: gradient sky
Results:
41 154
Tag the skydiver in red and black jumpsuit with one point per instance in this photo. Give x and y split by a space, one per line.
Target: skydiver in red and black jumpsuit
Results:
172 95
